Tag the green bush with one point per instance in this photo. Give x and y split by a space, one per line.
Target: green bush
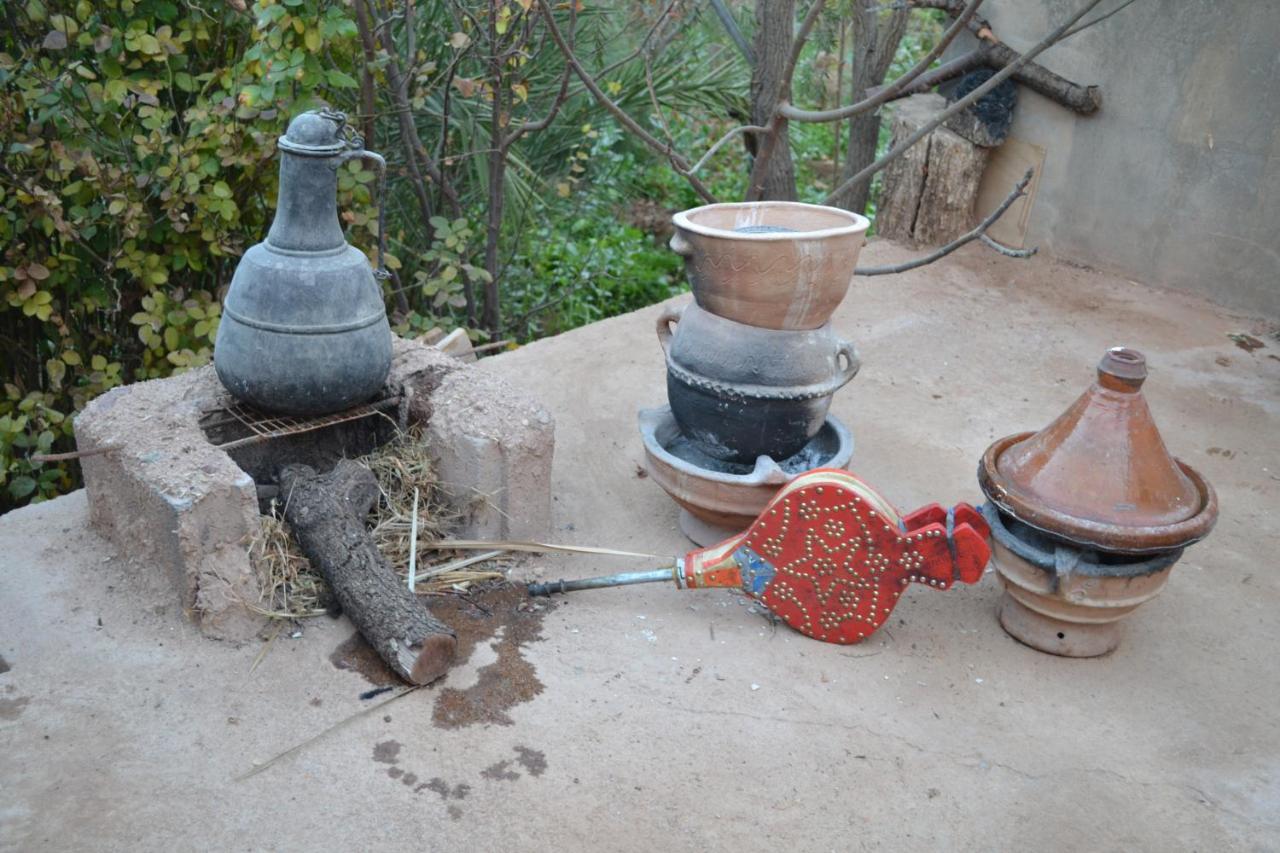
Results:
137 141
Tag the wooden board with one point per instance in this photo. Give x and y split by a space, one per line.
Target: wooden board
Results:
1006 167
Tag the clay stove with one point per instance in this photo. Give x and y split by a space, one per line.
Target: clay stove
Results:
1089 515
179 490
753 363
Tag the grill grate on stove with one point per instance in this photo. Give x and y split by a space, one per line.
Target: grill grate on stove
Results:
264 426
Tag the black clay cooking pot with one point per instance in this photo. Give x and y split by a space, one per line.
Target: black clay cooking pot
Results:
740 392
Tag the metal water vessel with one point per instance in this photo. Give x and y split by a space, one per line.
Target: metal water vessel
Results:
304 327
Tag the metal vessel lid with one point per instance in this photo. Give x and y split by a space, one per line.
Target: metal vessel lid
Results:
316 133
1100 474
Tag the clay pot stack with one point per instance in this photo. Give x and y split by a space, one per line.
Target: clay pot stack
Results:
1089 515
752 363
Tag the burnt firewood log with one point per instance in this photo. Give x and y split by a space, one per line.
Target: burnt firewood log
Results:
327 513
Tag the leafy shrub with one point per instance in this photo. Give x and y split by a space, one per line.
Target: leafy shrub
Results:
137 142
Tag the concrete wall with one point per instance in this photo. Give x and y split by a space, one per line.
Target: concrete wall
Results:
1176 180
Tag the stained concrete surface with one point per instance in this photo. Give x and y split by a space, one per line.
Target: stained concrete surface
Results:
674 720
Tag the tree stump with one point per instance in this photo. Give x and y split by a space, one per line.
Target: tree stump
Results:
326 513
929 192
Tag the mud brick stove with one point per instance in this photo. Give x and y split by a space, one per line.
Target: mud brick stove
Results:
178 491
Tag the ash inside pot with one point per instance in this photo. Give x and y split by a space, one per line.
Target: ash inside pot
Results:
817 453
763 229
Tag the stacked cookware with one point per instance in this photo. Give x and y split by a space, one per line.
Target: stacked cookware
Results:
752 363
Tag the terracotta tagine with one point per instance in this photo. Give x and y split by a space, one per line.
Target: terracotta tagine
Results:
775 264
740 392
1090 514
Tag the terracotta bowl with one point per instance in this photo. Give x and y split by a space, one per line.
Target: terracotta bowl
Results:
719 499
773 264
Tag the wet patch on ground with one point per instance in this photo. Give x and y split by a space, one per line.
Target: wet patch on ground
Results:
4 665
356 655
534 762
504 616
387 752
11 709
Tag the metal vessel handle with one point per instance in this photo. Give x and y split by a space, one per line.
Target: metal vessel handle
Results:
357 151
668 316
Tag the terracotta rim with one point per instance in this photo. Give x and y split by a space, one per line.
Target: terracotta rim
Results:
1105 537
858 224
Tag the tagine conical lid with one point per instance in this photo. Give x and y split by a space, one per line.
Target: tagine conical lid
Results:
1100 475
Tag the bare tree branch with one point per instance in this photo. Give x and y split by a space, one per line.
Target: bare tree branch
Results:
962 64
745 128
963 103
679 163
891 91
1008 251
968 237
561 95
731 27
802 36
1089 23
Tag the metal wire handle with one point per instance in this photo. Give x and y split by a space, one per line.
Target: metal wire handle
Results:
355 149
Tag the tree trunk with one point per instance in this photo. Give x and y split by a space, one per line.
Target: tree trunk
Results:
775 31
874 45
929 191
497 179
326 513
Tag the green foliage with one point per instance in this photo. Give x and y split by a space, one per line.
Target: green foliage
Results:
137 141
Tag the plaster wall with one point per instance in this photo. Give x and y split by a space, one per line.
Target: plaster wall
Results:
1176 180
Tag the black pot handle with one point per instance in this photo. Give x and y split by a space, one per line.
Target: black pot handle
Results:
669 315
852 364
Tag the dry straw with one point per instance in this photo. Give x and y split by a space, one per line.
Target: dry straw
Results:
292 589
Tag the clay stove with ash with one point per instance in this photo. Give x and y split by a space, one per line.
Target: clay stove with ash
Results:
753 362
307 373
1089 515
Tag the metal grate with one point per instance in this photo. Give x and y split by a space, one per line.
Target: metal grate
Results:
263 426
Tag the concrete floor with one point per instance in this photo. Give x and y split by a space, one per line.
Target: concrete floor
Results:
679 720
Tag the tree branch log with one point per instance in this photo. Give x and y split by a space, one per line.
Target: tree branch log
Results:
1085 100
326 513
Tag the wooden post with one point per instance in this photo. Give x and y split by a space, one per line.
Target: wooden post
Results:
929 192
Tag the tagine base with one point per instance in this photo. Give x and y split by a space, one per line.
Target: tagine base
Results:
1056 636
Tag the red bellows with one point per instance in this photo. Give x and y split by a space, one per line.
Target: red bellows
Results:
831 557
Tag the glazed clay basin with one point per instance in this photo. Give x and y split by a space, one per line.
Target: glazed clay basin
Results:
720 499
773 264
740 392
